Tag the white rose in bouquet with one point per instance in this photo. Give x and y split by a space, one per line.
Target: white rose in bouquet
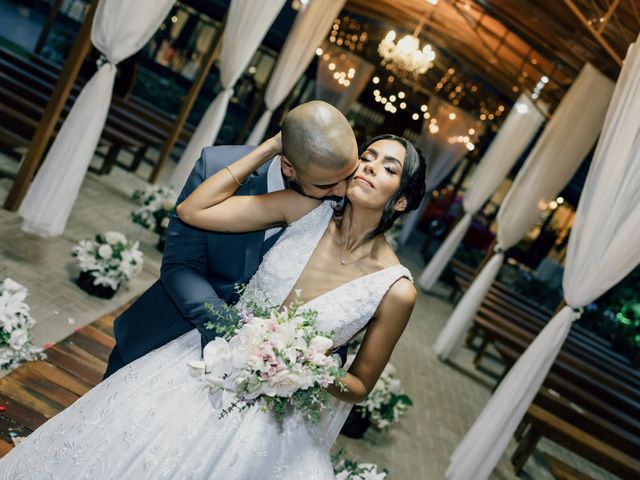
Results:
105 251
165 222
114 238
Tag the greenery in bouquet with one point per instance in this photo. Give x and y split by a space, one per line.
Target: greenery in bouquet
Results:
273 356
347 469
156 204
111 259
15 326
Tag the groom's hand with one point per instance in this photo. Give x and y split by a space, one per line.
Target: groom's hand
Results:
342 351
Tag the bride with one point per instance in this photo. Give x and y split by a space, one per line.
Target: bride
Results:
152 420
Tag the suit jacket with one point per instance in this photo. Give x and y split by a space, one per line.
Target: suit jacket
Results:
198 267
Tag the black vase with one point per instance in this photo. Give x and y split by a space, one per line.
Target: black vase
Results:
356 425
85 282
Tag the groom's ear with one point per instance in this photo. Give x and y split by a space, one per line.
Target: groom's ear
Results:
288 170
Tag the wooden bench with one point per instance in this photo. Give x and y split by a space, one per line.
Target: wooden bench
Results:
542 423
147 124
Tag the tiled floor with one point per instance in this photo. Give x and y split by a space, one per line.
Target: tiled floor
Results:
447 397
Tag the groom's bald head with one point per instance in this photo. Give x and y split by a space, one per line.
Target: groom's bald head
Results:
319 147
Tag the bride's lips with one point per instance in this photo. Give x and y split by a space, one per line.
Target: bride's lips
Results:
365 180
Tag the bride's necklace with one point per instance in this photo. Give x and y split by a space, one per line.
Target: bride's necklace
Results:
343 261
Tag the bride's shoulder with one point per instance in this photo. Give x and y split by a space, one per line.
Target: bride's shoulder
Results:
293 205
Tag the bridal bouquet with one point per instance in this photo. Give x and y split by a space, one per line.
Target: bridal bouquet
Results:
15 326
275 357
107 261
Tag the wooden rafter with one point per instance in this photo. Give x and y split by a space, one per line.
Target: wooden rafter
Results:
596 34
608 15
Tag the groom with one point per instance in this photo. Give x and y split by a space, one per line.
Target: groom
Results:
319 155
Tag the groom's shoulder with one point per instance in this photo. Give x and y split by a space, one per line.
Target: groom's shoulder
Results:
220 156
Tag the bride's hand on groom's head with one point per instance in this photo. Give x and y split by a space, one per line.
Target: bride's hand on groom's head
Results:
275 143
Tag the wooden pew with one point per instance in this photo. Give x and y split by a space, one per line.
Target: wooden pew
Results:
542 423
148 124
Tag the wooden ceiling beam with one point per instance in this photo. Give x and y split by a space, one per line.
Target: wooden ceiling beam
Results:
601 40
542 49
608 15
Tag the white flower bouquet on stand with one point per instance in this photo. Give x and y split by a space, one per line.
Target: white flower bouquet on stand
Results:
273 357
15 327
106 262
347 469
387 402
156 204
384 405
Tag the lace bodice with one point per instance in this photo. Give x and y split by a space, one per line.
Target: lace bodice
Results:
344 310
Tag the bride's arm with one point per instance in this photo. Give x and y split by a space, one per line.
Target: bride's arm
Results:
383 332
213 206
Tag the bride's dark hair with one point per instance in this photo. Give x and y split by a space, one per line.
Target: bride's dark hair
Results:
412 183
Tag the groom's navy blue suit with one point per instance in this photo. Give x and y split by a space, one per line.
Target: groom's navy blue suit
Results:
198 267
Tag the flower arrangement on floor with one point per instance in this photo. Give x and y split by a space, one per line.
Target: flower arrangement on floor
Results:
277 358
106 262
384 406
387 402
347 469
15 326
156 204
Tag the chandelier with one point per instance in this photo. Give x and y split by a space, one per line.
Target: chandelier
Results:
405 56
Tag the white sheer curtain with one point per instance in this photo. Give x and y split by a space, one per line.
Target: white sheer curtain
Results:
119 30
563 145
309 29
247 23
515 134
443 148
336 91
603 249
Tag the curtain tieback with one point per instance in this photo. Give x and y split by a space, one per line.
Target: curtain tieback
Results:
577 312
103 60
498 249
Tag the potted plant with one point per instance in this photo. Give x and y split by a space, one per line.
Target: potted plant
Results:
15 327
106 262
156 204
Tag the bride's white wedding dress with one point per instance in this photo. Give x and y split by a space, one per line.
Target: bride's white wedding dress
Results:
153 420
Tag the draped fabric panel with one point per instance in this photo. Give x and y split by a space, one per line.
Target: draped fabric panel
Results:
247 23
442 149
309 30
329 89
563 145
118 31
602 250
515 134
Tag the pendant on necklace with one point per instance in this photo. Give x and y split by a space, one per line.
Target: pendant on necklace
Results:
342 262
